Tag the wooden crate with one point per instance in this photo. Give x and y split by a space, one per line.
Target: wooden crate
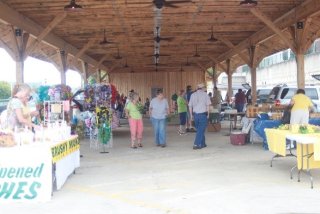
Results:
214 127
279 108
264 107
276 116
314 115
252 111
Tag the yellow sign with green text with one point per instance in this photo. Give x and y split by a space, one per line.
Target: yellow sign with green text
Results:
65 148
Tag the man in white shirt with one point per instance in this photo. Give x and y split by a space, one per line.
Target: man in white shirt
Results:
199 111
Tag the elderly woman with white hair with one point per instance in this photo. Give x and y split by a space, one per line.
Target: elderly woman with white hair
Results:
135 119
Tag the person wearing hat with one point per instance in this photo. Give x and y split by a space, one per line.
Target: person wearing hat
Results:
199 111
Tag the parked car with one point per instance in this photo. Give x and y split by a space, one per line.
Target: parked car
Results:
262 93
282 94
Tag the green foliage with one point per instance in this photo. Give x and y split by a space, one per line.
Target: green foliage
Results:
211 72
5 90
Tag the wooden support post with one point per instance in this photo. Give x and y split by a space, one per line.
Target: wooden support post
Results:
300 70
63 57
214 76
300 39
85 73
230 92
105 78
253 84
253 70
21 40
19 70
99 76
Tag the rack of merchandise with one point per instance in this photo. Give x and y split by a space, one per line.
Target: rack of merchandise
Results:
53 111
56 103
98 99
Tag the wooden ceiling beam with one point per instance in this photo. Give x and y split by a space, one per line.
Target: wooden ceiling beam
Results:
8 49
45 32
121 21
274 28
218 63
13 38
303 40
83 50
304 10
15 18
229 44
102 60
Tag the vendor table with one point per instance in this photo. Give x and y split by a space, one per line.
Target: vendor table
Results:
32 172
235 115
308 149
309 158
260 125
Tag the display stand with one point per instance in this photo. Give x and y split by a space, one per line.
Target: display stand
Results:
53 112
98 97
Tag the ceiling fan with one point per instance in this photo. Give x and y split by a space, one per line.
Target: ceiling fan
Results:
158 38
212 38
164 3
196 53
105 41
118 55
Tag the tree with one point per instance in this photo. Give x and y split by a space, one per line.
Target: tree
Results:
5 90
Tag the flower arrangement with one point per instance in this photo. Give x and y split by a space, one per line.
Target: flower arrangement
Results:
99 95
43 92
59 92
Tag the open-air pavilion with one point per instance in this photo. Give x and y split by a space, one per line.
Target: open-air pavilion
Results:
145 44
136 45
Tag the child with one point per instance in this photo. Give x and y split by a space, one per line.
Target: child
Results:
135 119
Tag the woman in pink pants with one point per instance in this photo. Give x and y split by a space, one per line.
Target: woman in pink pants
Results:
135 120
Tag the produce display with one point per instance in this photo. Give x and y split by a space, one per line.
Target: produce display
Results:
301 129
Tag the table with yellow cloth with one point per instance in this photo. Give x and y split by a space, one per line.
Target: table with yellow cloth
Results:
308 147
276 139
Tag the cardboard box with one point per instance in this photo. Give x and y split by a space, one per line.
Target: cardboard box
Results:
214 127
252 111
276 116
314 115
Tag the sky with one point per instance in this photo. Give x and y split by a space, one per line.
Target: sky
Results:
36 71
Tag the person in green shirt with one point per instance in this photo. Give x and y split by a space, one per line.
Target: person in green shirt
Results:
135 119
182 111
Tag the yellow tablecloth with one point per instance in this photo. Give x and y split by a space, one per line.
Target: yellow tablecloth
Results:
277 144
276 140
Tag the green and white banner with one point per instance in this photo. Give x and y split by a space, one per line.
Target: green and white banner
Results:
25 173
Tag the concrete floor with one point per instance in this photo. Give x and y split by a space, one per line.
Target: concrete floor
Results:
221 178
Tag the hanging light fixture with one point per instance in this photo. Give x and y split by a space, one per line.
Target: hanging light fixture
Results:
73 6
248 3
212 38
